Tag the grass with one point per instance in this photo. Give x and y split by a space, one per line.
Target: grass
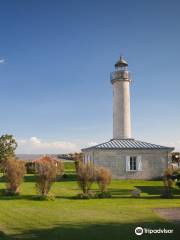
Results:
66 218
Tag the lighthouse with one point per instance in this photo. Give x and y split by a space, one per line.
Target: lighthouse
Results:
124 156
121 80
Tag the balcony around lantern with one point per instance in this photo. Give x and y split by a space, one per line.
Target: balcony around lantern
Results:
120 75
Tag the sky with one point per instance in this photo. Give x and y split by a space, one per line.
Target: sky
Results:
55 64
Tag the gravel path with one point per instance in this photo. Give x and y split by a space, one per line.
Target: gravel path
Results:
171 214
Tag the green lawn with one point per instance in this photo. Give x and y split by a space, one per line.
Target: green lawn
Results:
65 218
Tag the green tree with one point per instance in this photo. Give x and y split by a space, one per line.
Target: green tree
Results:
8 146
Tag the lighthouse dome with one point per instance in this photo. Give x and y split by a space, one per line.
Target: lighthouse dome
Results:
121 62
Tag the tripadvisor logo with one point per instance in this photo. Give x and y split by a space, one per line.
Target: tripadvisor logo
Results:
139 231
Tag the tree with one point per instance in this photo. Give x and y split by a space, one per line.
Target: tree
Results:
86 176
8 146
15 170
47 169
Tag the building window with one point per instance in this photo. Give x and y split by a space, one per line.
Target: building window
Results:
133 163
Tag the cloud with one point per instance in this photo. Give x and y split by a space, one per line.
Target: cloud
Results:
36 141
2 60
36 145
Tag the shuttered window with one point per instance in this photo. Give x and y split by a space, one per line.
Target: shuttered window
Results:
133 163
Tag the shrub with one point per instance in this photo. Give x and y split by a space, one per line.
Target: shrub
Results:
47 170
103 178
168 182
14 173
86 177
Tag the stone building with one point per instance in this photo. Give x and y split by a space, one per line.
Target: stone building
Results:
126 157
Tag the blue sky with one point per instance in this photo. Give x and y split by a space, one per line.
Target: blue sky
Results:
55 61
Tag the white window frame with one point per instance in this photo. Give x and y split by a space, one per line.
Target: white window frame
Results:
138 163
133 163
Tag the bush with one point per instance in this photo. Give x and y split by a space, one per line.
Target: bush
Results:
86 177
14 173
47 170
168 183
103 178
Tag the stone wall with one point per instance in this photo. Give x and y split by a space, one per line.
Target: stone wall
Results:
154 162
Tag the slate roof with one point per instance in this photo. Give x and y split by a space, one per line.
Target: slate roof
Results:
129 144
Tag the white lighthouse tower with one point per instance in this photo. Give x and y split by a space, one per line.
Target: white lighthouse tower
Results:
126 157
120 80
